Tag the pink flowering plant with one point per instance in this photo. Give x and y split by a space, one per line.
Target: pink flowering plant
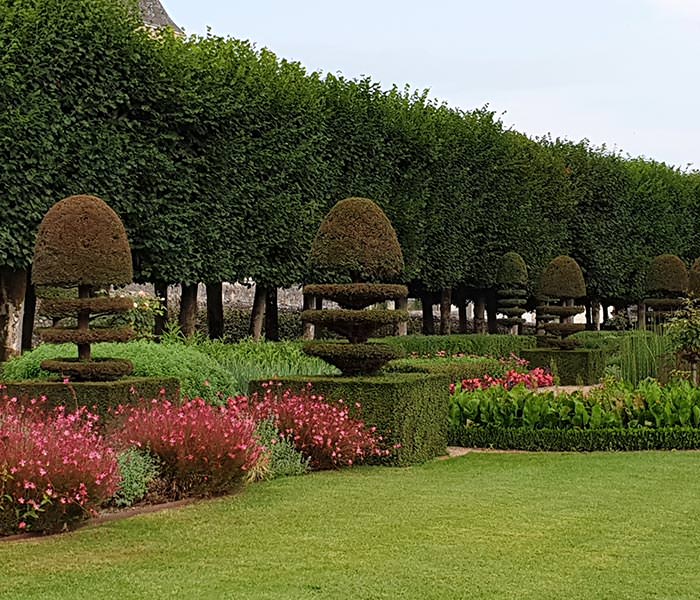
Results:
203 450
323 431
55 468
533 379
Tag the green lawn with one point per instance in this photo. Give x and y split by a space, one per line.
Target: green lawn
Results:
560 526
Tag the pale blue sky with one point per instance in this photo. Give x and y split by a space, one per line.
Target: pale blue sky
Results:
619 72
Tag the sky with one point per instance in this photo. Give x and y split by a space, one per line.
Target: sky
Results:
620 73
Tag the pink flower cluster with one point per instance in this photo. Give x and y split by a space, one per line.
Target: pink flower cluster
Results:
203 449
55 468
321 430
534 379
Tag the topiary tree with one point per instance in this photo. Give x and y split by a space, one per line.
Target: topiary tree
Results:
357 243
82 244
666 286
694 279
511 280
559 285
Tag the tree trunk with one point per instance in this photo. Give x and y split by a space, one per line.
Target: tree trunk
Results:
595 315
589 315
492 311
13 286
258 314
309 303
445 311
641 316
462 308
402 328
188 309
161 291
272 326
84 353
428 323
606 313
215 310
480 314
29 315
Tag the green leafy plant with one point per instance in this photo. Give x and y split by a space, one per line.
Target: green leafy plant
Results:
138 470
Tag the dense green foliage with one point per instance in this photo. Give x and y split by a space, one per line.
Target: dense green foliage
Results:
100 396
667 275
409 410
578 440
499 346
222 160
614 406
582 366
562 279
456 369
138 470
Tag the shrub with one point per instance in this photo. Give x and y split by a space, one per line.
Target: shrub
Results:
199 374
280 458
667 274
82 243
456 369
512 271
571 367
138 470
512 295
55 469
499 346
321 430
694 278
356 242
409 410
562 279
203 450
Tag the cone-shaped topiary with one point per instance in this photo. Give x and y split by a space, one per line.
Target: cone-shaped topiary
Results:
667 274
512 295
667 284
560 284
356 242
82 243
694 278
562 279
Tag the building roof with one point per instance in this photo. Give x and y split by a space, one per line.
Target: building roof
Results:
155 16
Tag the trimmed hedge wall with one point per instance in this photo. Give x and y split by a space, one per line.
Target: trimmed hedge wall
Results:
578 440
456 369
481 345
409 409
574 367
102 395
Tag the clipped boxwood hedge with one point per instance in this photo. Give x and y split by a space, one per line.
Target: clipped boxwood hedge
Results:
573 367
97 395
578 440
408 409
476 344
456 369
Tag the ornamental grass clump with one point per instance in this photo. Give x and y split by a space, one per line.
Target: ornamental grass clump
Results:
202 450
322 431
82 245
55 468
355 249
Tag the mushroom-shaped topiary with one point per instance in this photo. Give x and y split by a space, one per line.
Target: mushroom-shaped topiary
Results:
560 284
82 243
512 293
355 242
667 285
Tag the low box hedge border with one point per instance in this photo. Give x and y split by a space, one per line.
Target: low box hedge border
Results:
99 396
577 440
408 409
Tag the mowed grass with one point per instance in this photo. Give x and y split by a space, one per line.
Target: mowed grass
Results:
560 526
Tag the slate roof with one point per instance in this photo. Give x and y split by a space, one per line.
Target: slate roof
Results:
154 15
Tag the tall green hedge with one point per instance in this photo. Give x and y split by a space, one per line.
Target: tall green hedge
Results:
222 159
